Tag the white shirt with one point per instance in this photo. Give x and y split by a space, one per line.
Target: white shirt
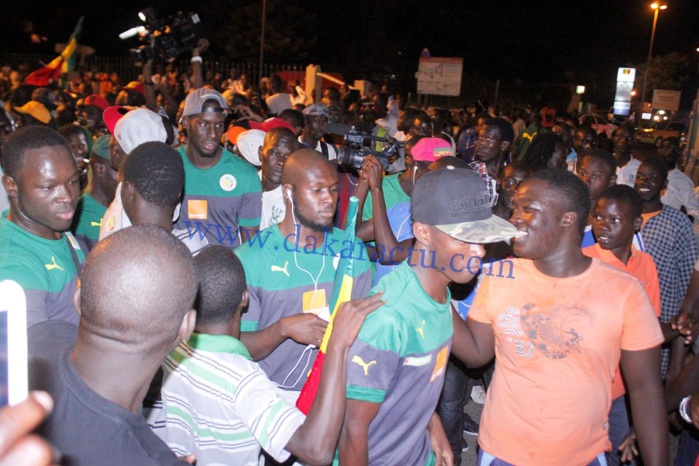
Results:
273 207
680 192
627 174
278 102
115 219
4 200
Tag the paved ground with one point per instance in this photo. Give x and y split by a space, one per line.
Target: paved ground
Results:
468 458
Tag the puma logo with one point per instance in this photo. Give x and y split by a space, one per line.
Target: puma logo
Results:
421 330
53 265
96 224
358 360
276 268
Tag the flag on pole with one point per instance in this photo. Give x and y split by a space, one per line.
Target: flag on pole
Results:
341 292
63 63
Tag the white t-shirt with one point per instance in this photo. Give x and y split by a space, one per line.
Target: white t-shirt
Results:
115 219
273 208
680 192
278 102
627 174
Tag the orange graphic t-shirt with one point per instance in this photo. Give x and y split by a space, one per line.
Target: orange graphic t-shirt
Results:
558 342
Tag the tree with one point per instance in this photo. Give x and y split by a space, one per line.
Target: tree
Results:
668 72
289 31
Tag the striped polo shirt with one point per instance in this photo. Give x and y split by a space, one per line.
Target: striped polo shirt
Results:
220 406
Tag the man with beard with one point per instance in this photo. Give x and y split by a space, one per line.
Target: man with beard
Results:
290 269
36 249
222 194
558 331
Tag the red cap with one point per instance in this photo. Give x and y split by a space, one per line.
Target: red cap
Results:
111 115
96 100
271 123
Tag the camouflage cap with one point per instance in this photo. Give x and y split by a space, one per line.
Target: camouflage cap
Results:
490 230
456 201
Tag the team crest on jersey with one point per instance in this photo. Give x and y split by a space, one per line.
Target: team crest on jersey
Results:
227 182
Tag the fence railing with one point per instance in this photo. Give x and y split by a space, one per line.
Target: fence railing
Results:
127 71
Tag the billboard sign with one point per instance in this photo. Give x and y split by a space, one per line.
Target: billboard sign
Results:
439 76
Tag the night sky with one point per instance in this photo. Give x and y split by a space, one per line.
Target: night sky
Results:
552 41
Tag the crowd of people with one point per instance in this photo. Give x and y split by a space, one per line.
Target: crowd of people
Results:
181 244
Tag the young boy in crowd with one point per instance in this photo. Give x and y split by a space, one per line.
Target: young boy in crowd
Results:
221 406
616 216
597 169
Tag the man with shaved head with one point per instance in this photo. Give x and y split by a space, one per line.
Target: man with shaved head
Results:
290 269
135 302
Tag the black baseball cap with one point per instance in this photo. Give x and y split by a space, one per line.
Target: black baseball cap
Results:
457 202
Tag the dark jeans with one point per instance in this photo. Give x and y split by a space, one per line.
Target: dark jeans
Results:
458 383
689 447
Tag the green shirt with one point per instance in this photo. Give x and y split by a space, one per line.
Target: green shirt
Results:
44 268
399 361
88 220
285 279
220 199
392 193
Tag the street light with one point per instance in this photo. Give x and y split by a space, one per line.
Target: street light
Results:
656 8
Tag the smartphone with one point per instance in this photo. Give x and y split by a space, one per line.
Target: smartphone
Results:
13 343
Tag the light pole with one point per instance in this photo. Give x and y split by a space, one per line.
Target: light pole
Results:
656 8
262 37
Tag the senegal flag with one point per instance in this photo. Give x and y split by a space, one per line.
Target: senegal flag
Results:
342 291
63 63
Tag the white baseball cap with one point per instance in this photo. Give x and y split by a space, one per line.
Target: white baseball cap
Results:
249 143
139 126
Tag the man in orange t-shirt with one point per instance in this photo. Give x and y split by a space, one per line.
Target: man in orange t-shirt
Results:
559 330
616 216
